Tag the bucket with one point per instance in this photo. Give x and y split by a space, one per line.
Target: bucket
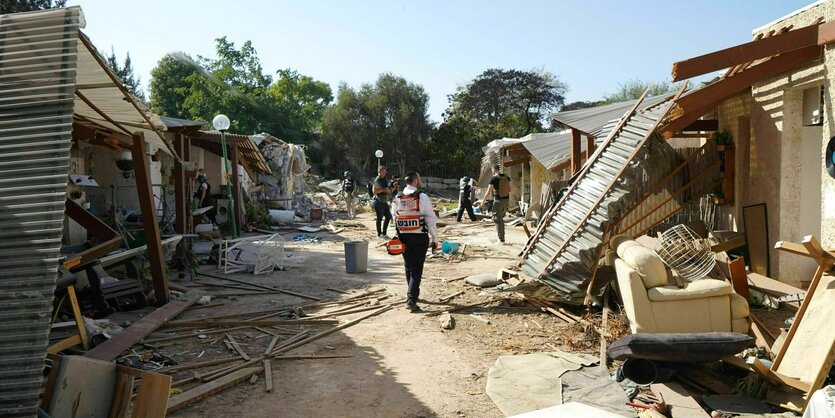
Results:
316 214
356 256
282 216
449 247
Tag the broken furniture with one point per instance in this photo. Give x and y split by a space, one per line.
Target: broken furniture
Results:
261 254
67 285
806 355
82 387
653 305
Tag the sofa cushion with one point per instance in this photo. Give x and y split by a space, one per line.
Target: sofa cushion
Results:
684 347
739 307
699 289
645 261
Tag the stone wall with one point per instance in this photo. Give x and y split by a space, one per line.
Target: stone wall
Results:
772 167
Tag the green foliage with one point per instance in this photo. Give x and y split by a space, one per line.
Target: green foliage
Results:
300 101
256 213
125 73
498 103
633 89
390 115
581 105
17 6
234 83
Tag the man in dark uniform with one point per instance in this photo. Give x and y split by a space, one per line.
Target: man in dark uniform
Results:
465 201
415 222
382 196
349 190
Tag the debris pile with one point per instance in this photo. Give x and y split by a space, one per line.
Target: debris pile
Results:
285 187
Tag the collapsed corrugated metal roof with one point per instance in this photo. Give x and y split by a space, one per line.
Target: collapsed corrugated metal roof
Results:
38 53
553 148
565 248
102 98
252 156
592 121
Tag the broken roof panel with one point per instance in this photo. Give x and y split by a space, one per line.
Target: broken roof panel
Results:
592 121
38 53
103 99
253 159
553 148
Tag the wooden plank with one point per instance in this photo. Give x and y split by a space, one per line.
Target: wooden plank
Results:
122 395
809 348
517 161
271 345
762 335
204 391
181 197
112 348
78 318
706 380
301 295
770 286
703 100
268 376
64 344
739 277
150 223
268 323
575 151
152 397
747 52
778 378
197 365
237 347
681 404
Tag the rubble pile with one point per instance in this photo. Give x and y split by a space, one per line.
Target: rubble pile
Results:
284 188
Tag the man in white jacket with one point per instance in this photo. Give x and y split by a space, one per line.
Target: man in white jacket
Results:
414 220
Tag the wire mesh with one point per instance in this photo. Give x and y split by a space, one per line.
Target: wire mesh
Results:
683 251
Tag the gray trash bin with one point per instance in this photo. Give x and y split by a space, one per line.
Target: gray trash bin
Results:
356 256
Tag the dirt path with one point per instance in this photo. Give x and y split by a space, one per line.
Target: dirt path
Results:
402 364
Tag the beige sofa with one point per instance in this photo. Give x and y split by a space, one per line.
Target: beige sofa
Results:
653 305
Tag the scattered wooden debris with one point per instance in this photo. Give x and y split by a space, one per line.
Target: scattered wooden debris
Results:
268 376
204 391
450 297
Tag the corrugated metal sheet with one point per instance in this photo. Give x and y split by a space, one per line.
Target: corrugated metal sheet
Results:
37 81
249 151
552 149
593 120
564 258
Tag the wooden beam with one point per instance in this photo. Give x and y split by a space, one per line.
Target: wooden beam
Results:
575 151
150 225
113 348
518 161
702 125
562 166
698 102
754 50
181 197
740 81
152 397
589 146
202 392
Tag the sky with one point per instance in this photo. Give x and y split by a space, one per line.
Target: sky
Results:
592 46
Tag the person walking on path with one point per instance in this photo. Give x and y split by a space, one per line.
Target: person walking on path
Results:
382 196
349 190
499 189
465 201
414 220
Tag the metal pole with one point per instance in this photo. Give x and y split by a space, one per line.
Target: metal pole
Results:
231 208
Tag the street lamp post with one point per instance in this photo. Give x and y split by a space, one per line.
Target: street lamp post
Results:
221 123
379 155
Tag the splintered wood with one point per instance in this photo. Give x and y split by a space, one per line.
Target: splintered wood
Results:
284 335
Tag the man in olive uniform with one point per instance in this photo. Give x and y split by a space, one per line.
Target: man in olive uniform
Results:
499 190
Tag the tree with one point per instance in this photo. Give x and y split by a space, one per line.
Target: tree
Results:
125 73
170 85
633 89
390 115
498 103
17 6
300 101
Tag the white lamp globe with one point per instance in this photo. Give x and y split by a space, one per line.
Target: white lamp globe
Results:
221 122
379 153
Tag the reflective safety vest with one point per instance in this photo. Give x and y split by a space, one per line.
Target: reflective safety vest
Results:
408 218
